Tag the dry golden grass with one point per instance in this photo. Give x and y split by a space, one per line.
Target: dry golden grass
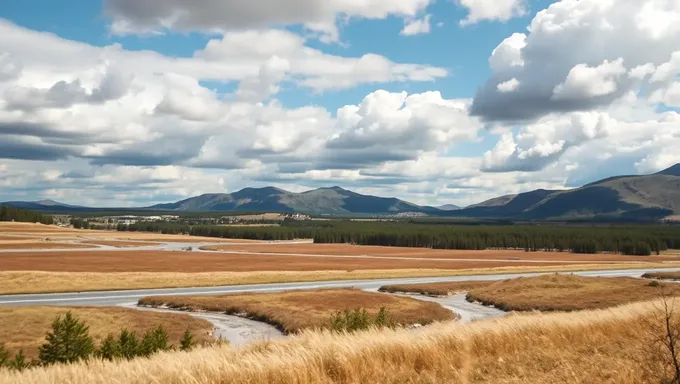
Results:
120 243
436 289
25 327
54 232
295 311
14 282
662 275
174 261
7 238
418 252
10 227
568 292
599 346
41 245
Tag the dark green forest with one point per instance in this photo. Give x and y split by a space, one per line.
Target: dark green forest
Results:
8 213
629 240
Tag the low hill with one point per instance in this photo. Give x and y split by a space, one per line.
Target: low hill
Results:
42 205
334 200
641 197
448 207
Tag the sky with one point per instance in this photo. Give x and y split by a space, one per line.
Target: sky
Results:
121 103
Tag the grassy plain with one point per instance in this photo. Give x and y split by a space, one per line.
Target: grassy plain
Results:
56 233
14 245
436 289
548 292
598 346
295 311
15 282
377 251
25 327
175 261
120 243
568 292
662 275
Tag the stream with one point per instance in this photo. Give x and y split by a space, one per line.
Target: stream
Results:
237 330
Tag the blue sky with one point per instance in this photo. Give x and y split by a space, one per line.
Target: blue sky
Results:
156 100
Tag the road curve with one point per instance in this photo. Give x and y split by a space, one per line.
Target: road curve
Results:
112 298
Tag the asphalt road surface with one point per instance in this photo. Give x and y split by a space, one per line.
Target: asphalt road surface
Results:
113 298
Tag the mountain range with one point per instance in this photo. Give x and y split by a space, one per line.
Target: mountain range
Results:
622 197
633 197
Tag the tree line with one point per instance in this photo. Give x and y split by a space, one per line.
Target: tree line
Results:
8 213
630 240
635 240
69 341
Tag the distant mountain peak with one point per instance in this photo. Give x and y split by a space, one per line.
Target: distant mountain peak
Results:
263 190
672 171
331 200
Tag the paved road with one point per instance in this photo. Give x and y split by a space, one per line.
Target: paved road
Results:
111 298
196 247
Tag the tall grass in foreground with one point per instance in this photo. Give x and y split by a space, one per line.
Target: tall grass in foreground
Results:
600 346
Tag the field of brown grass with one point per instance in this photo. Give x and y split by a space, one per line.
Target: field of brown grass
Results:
174 261
295 311
9 238
568 292
8 245
120 243
14 282
55 233
436 289
25 327
599 346
377 251
662 275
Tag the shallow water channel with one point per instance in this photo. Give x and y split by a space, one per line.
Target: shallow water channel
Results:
237 330
458 304
241 331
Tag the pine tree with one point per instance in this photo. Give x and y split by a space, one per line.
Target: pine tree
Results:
4 356
187 343
128 344
19 363
69 341
109 349
382 318
154 341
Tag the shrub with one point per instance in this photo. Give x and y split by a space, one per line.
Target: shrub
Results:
19 363
358 319
187 343
128 344
4 356
654 283
154 341
109 349
68 342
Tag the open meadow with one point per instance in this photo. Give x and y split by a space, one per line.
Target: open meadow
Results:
23 328
662 275
295 311
16 282
15 230
597 346
31 270
174 261
551 292
420 252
